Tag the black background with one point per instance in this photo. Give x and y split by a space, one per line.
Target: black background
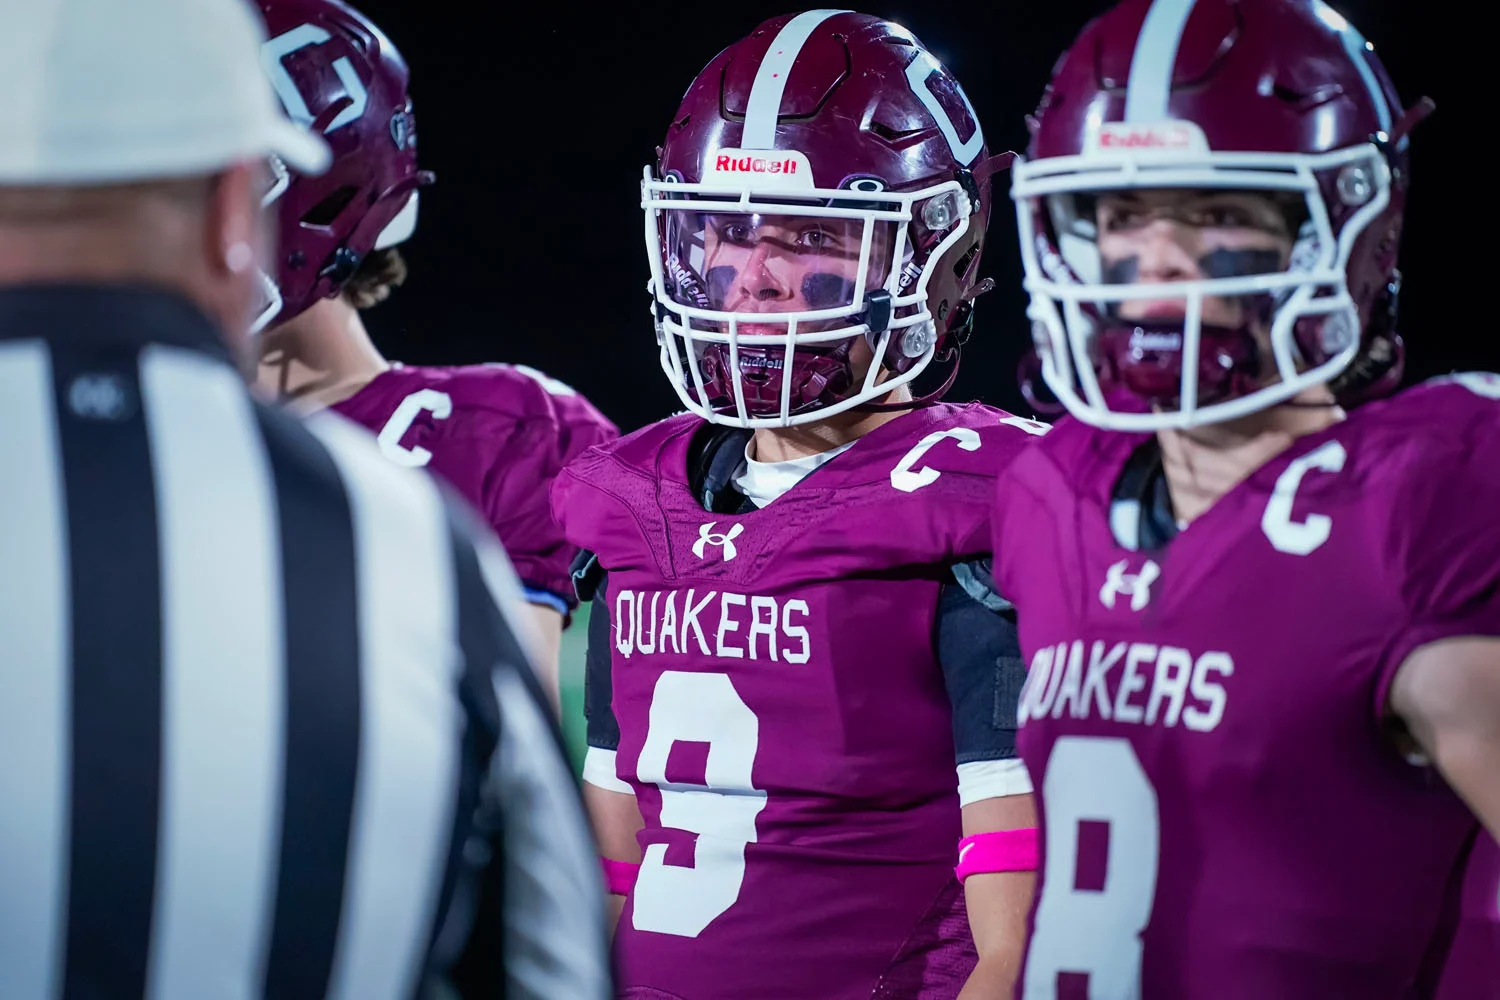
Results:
538 121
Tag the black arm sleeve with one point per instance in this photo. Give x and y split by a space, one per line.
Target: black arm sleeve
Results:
980 653
591 583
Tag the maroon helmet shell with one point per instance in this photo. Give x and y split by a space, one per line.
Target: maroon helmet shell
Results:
1258 95
339 76
823 114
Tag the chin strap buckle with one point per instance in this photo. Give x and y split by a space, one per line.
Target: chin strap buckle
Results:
878 311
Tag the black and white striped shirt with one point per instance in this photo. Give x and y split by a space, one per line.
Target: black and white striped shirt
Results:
265 730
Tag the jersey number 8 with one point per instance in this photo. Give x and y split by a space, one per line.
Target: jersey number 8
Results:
1095 931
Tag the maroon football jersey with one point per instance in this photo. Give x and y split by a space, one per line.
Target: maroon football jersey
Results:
1472 971
783 715
500 434
1225 814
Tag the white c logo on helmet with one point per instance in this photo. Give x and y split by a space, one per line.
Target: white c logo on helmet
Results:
276 49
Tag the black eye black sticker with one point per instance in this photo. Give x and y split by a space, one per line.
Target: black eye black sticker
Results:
1240 263
1218 264
827 291
1122 271
718 280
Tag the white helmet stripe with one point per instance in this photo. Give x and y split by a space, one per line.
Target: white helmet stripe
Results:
1154 59
1357 47
764 106
401 228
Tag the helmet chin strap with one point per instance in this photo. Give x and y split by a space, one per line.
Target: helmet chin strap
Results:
995 164
1411 118
1029 377
959 332
951 355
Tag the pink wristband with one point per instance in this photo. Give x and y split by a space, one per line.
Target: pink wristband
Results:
1001 851
619 876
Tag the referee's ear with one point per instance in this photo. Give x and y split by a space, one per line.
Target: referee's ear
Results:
239 243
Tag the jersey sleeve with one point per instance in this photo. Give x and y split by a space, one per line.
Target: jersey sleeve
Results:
517 505
980 653
1446 557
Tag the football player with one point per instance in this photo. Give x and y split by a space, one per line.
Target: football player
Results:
789 638
1262 625
499 433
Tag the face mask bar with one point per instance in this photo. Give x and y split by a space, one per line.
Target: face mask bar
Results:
878 311
271 303
1315 285
278 179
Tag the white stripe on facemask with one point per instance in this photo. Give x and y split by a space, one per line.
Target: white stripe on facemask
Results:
1358 49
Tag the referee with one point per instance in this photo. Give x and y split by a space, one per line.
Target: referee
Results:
265 728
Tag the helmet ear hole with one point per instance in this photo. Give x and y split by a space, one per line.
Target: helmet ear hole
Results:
325 212
962 264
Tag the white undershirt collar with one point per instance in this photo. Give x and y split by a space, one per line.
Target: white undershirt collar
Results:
763 482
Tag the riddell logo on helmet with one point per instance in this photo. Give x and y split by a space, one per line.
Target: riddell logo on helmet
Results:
1143 341
757 168
1163 137
1150 138
726 164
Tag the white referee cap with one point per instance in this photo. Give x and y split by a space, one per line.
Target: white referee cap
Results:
112 91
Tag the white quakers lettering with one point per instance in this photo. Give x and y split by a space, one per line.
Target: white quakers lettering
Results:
721 624
1137 683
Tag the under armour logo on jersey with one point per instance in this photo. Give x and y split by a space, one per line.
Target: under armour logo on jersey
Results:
1137 585
724 539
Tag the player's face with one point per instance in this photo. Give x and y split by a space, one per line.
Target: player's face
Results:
760 274
1159 236
785 263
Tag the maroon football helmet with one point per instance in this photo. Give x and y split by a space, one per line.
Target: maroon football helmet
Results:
824 182
340 77
1281 99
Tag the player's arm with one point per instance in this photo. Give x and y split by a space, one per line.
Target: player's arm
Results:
549 629
981 657
998 901
613 812
1448 694
516 502
1444 683
516 508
